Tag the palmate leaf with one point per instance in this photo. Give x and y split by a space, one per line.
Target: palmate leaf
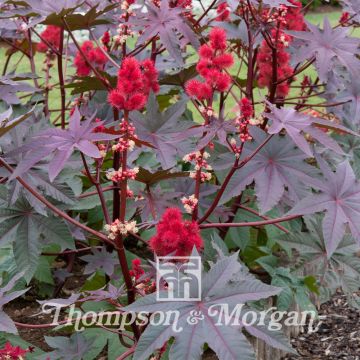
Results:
179 78
100 259
52 13
341 269
153 203
297 125
83 19
39 180
328 45
277 166
267 3
340 197
221 285
9 86
45 7
159 129
22 226
169 24
6 124
351 146
272 3
6 324
217 127
353 8
60 144
73 348
351 93
37 177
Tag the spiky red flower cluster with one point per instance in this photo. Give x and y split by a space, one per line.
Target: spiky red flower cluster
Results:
223 12
93 55
136 271
185 4
247 111
106 38
100 128
175 236
287 18
135 81
213 60
246 108
12 352
345 17
51 35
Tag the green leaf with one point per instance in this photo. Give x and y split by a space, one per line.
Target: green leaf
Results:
8 229
79 21
96 281
215 247
149 178
89 83
179 77
27 247
26 229
43 271
56 231
310 282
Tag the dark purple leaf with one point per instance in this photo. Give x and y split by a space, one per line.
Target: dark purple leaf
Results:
353 8
6 324
155 201
9 86
73 348
278 166
60 144
168 23
326 45
221 285
340 197
61 302
160 130
297 125
100 260
351 93
112 293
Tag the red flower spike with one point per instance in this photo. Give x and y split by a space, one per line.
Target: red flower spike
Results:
174 235
218 39
213 60
137 271
150 76
116 99
223 12
12 352
135 102
93 55
52 36
135 81
106 38
345 16
224 61
292 19
246 108
206 51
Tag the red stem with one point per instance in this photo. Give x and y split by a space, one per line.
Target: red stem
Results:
119 239
56 210
61 77
251 223
220 192
282 228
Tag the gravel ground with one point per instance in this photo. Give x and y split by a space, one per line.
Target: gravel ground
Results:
338 337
